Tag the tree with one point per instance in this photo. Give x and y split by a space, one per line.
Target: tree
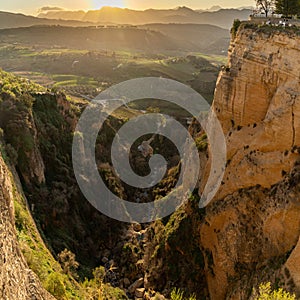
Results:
287 7
68 262
265 5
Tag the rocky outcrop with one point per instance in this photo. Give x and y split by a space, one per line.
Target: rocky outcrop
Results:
17 281
20 130
257 101
251 229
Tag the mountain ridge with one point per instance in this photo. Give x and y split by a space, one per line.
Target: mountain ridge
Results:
13 20
222 18
151 37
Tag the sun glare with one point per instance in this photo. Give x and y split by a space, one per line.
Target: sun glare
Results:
114 3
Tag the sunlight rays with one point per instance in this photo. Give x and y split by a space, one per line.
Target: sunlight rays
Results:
96 4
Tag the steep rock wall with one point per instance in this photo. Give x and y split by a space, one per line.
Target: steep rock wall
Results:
251 229
17 281
258 103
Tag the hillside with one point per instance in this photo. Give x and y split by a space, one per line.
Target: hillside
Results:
89 38
152 38
17 279
37 128
205 38
11 20
31 121
222 18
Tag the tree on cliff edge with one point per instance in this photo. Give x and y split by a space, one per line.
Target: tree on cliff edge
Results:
287 7
265 5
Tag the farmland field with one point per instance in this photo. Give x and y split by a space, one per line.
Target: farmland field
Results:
83 73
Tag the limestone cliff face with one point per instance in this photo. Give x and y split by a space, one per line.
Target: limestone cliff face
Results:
251 229
17 281
35 171
17 120
258 102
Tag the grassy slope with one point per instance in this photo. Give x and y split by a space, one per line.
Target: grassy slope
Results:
34 246
37 255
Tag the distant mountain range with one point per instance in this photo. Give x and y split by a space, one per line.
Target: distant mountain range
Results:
199 37
88 38
215 16
109 15
11 20
218 7
213 8
182 28
174 31
147 38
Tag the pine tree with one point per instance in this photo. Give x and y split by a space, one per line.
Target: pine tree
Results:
287 7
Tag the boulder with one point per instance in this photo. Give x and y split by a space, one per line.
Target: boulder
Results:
137 284
139 293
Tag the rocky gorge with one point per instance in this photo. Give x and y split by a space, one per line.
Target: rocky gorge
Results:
247 235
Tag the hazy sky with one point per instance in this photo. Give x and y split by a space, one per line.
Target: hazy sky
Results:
31 6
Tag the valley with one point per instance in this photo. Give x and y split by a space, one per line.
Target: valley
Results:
81 69
57 244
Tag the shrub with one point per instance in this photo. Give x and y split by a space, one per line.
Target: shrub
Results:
235 27
99 275
12 154
178 294
265 293
68 262
95 289
201 143
55 285
3 152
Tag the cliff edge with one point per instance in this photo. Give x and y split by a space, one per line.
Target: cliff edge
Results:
251 230
17 280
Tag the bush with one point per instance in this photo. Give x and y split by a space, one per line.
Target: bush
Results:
201 143
265 293
55 285
95 289
14 86
12 154
99 275
68 262
235 27
178 294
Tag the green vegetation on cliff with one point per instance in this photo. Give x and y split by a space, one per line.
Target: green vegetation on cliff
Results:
265 292
33 135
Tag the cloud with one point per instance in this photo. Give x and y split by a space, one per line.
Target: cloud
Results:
50 8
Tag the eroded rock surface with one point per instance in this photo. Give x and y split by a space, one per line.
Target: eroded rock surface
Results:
251 229
17 281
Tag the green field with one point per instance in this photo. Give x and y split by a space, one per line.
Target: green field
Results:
86 73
